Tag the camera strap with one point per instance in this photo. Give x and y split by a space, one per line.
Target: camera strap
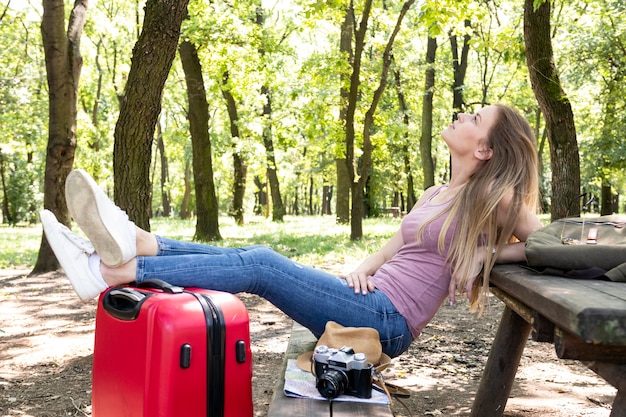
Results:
392 390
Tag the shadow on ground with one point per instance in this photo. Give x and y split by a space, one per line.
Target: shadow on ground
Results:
46 347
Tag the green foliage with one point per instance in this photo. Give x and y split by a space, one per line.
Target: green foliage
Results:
595 80
23 100
22 195
296 54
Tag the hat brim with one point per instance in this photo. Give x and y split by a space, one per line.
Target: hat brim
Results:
305 362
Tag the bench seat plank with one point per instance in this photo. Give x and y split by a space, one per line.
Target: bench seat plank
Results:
595 311
300 341
350 409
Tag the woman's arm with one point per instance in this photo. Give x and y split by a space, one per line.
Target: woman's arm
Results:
527 222
359 278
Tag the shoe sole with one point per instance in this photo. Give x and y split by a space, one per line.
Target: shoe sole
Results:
80 194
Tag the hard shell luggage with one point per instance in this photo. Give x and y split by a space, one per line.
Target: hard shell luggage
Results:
171 352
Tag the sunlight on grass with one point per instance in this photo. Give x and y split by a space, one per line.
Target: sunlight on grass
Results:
312 240
19 246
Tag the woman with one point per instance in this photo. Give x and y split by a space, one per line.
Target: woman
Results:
484 214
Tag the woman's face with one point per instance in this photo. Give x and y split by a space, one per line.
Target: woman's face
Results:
469 132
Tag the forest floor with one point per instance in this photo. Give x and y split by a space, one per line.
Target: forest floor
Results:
46 347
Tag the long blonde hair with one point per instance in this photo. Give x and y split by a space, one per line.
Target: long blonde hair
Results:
511 169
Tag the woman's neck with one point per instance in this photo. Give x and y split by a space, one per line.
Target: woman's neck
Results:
448 192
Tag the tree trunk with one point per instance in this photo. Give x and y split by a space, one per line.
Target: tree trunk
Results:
278 209
556 109
141 105
185 213
356 216
428 165
606 200
404 108
165 176
459 65
240 169
63 67
207 211
358 186
342 204
544 205
260 203
7 216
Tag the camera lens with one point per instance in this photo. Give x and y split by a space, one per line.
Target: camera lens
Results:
332 383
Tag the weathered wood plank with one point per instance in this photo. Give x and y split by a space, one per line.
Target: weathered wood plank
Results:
542 329
302 340
345 409
615 375
612 289
568 346
619 405
594 311
504 357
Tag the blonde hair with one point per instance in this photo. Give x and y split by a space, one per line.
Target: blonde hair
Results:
511 171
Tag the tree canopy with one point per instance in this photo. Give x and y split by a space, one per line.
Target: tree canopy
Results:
281 80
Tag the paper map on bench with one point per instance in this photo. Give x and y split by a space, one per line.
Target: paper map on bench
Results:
301 384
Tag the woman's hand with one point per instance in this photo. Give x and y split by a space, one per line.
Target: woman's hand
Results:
456 283
359 281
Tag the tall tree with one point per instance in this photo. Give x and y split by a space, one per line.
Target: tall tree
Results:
411 198
356 228
342 206
140 107
361 178
459 66
428 164
240 168
63 66
165 174
207 219
556 109
278 209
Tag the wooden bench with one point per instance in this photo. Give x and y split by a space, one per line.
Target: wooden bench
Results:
393 211
585 319
302 340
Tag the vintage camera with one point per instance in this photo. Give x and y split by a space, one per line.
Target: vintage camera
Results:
342 371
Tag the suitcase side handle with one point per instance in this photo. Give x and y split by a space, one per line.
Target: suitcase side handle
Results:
124 303
160 285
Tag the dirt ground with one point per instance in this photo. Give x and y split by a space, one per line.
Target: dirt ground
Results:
46 346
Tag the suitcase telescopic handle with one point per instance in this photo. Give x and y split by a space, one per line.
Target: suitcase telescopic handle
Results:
161 285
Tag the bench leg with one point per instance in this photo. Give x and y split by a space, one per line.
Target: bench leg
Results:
619 405
504 357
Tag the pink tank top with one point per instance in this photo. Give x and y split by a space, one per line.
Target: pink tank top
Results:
416 279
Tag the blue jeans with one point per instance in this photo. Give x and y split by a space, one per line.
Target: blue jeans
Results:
309 296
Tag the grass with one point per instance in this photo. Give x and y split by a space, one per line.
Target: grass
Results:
19 246
311 240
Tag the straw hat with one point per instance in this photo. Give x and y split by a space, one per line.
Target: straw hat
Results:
361 339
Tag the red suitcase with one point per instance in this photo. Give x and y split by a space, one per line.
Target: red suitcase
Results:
168 352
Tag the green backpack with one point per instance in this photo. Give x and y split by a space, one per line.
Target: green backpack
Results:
580 247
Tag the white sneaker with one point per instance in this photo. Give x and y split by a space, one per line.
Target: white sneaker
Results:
73 253
105 224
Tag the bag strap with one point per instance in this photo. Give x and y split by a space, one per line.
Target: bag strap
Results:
392 390
617 274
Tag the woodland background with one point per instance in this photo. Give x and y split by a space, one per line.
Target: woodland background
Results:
204 108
